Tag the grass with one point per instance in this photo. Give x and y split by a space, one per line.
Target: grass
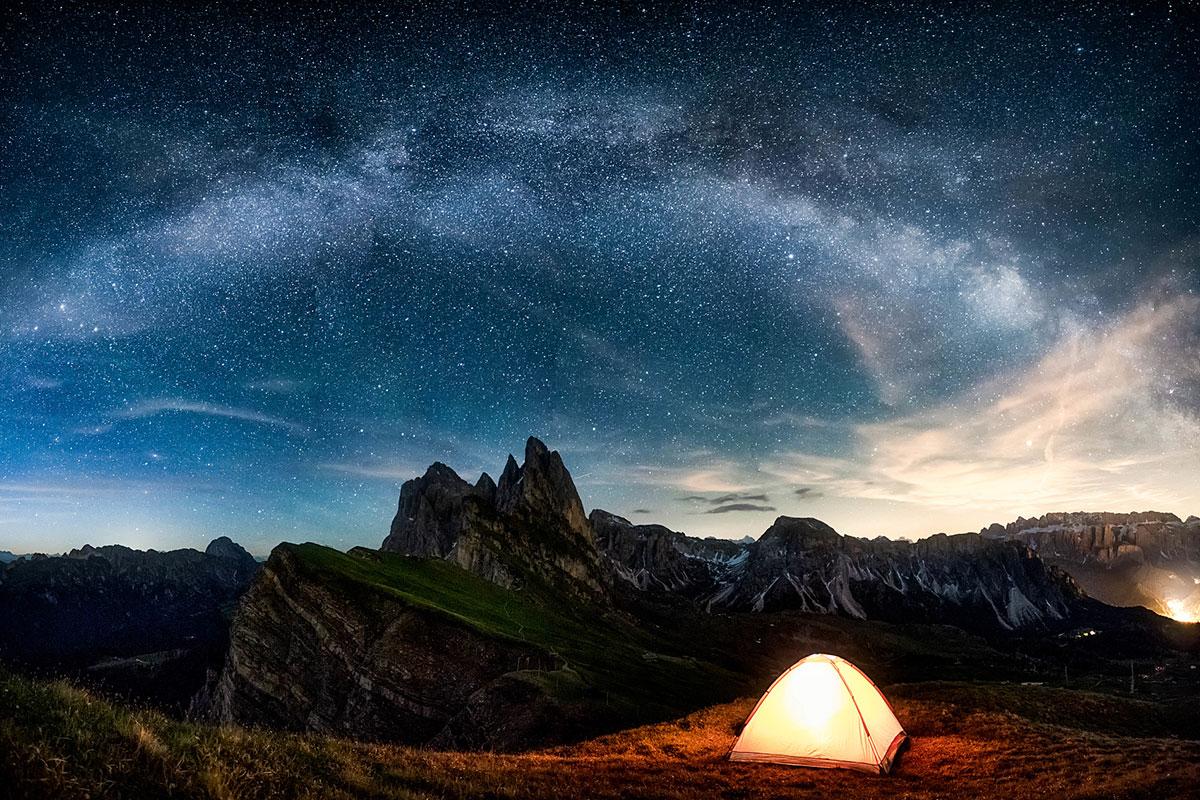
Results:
57 741
622 664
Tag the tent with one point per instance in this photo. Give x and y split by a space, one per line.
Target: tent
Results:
822 712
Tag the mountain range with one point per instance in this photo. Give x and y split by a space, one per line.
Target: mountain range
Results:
498 614
146 624
1149 559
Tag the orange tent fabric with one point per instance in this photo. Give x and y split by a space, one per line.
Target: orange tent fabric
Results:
822 712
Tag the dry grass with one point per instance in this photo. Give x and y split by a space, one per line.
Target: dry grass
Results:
56 741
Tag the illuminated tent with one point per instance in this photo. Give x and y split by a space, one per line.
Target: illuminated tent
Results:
822 712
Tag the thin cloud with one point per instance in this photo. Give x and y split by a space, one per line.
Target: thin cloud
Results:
738 497
731 497
719 477
797 420
739 507
150 408
390 472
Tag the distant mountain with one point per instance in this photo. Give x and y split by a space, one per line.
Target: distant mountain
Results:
1148 558
145 622
532 522
6 556
804 564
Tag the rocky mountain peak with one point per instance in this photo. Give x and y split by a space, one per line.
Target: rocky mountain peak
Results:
429 516
486 487
530 521
508 490
542 487
437 472
804 564
224 547
113 602
1146 558
799 533
87 551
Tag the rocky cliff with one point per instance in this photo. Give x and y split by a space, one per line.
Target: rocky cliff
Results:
146 622
1106 539
530 525
804 564
313 651
1145 558
392 648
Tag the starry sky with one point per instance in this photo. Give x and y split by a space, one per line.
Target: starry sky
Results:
905 270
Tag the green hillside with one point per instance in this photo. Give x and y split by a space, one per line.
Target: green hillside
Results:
598 653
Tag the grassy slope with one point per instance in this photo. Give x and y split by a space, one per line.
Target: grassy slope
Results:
57 741
607 653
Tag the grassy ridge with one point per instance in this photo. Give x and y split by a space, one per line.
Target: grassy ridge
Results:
621 663
57 741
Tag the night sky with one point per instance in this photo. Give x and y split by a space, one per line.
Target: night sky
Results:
905 271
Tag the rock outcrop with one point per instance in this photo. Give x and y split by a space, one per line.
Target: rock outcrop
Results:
530 525
804 564
1106 539
225 548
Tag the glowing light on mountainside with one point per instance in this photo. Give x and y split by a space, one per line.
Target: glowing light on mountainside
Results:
1177 611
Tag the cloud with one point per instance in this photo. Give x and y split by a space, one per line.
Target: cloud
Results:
807 493
739 507
35 491
738 497
797 420
13 492
390 472
150 408
1109 418
730 497
717 477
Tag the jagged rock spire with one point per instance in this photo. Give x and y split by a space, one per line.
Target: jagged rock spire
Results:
542 487
530 521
